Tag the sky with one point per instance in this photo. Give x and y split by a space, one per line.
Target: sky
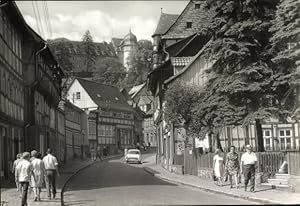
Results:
104 19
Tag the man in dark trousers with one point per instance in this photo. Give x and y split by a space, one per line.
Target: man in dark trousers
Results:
51 167
248 165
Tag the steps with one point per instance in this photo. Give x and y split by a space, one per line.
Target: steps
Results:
276 181
280 182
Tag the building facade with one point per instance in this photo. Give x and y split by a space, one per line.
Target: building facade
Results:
110 118
12 35
76 144
143 100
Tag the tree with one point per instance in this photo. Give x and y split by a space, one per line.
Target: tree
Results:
140 63
241 72
180 99
89 51
110 71
285 51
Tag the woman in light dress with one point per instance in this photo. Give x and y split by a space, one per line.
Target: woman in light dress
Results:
218 166
39 173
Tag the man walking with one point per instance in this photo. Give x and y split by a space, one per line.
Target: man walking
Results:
51 166
22 174
248 164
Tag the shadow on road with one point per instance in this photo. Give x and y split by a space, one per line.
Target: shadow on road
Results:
113 174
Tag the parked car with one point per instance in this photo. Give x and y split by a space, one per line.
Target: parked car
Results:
133 155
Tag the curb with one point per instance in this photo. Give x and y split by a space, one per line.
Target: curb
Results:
75 173
254 199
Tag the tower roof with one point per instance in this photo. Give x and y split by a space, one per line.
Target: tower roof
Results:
164 23
129 38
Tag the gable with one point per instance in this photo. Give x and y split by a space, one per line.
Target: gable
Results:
200 19
85 100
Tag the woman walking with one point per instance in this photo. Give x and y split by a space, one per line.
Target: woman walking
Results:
38 175
19 158
218 164
232 166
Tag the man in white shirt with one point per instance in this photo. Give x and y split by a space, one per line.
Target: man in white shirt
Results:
51 167
248 164
22 174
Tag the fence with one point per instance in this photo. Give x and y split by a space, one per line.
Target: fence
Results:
293 159
268 162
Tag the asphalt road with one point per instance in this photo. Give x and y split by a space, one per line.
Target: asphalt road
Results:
116 183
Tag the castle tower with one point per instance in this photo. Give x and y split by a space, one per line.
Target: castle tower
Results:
129 47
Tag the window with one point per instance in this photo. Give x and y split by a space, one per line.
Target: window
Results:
285 139
267 139
188 25
77 95
197 6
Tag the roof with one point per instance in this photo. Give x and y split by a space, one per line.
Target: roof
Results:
116 41
201 19
188 65
145 100
136 90
164 23
18 18
180 61
128 39
105 96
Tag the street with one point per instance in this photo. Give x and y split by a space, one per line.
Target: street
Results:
116 183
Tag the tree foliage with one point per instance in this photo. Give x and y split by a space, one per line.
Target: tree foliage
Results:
110 71
285 51
180 99
140 63
89 50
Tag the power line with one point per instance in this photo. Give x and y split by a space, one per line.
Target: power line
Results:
37 23
39 18
48 16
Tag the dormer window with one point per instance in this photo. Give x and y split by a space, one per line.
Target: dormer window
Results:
197 6
188 25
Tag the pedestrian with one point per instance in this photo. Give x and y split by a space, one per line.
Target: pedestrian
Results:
51 167
99 155
19 157
218 167
93 154
232 166
248 165
23 173
38 175
149 145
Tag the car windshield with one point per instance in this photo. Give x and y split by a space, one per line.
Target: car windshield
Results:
133 152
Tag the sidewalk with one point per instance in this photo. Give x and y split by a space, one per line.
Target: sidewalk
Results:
10 197
262 195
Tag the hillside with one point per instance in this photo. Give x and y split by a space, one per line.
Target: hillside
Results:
70 54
